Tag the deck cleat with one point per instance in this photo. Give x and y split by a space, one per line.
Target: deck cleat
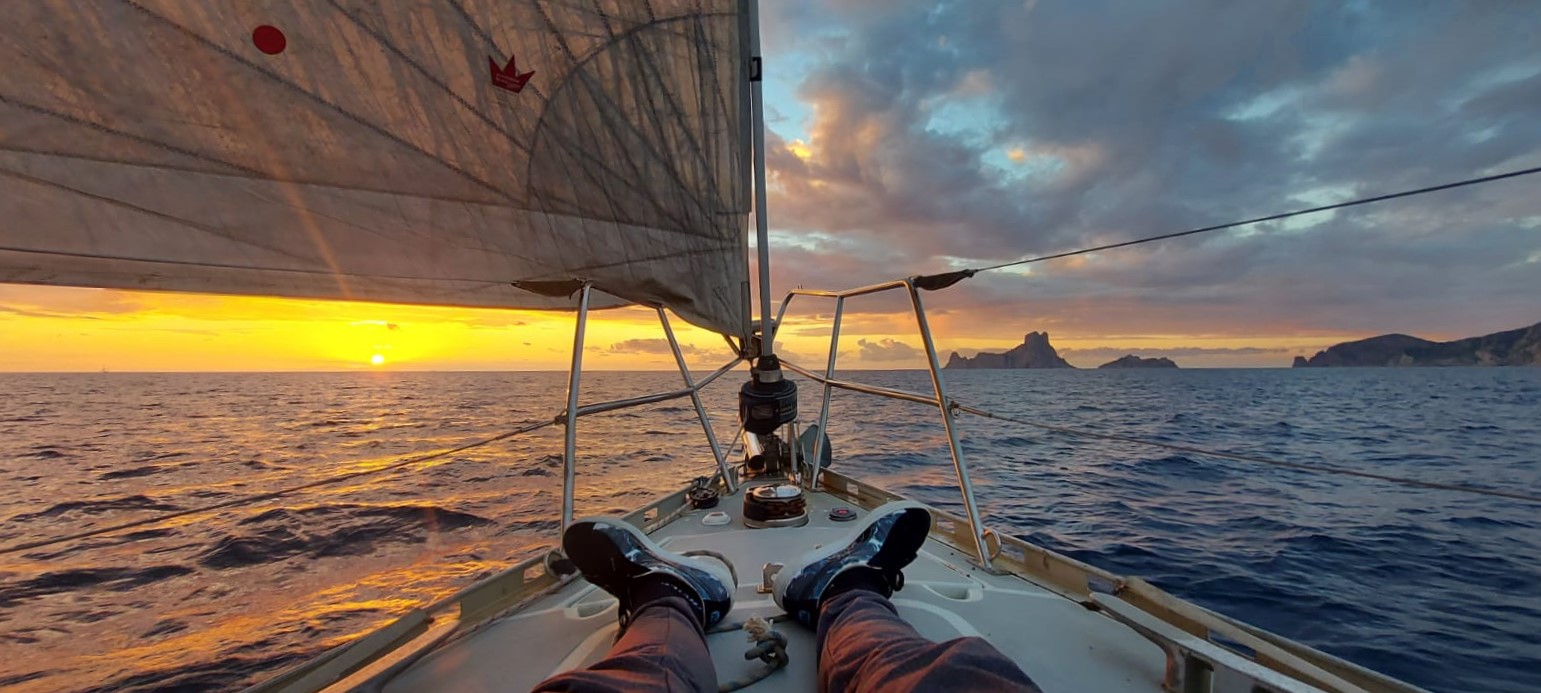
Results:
886 541
620 559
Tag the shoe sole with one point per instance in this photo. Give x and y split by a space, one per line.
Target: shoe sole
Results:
605 565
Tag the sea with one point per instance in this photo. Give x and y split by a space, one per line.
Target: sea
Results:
1440 588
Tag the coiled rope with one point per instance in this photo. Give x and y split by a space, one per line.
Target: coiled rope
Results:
768 646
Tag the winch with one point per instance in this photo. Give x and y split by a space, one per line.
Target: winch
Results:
775 505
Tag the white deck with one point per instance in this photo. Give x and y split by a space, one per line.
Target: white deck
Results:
1059 643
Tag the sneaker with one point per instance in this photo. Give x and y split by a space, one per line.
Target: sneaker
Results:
883 544
618 558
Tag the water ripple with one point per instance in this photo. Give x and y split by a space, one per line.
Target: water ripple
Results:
1441 589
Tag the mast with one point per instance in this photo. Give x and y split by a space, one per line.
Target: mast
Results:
761 223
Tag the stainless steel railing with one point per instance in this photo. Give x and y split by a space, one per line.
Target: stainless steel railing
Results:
569 416
939 397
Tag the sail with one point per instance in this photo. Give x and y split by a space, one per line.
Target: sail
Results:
449 152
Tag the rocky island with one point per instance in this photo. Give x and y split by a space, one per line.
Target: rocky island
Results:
1034 352
1132 361
1521 347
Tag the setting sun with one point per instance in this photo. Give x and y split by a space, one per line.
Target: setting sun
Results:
377 359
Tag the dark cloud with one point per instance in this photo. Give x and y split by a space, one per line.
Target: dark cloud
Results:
490 321
651 346
887 350
985 131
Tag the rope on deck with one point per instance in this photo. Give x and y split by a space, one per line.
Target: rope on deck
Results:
769 646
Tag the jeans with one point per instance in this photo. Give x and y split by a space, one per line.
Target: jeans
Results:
863 646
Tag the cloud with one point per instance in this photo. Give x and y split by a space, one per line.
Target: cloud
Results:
815 362
887 350
28 313
491 321
651 346
911 137
938 136
56 301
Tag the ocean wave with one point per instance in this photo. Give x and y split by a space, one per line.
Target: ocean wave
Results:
219 672
1452 580
47 452
544 526
117 579
132 472
330 530
68 549
96 507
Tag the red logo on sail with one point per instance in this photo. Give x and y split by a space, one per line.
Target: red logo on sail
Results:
509 77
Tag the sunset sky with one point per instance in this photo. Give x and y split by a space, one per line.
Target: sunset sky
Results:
916 137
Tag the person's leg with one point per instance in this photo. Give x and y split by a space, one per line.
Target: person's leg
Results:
865 646
841 590
662 649
667 601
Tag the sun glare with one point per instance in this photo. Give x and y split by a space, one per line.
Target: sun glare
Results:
377 359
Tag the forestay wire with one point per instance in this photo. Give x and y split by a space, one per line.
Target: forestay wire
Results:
1258 220
248 500
1300 466
976 411
944 280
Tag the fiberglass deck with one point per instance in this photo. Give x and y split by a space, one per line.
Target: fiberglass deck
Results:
1063 646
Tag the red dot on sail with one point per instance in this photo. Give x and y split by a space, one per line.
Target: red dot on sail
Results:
269 39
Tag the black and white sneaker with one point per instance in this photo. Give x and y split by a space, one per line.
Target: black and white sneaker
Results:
620 559
883 544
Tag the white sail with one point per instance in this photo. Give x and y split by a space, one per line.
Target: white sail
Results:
451 152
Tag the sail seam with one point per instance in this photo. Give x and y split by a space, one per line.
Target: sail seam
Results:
540 122
675 106
255 175
234 238
433 79
360 120
239 238
99 127
257 268
598 94
531 193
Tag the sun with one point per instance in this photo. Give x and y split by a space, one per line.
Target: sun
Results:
377 359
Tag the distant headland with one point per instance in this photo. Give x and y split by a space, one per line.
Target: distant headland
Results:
1035 351
1520 347
1132 361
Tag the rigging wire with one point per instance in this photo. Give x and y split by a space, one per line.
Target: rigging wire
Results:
1299 466
247 500
1271 217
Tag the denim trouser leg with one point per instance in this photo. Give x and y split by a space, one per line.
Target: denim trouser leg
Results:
865 646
